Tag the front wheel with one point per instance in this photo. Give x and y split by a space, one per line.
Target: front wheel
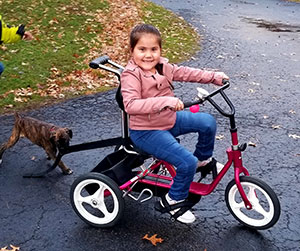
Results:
97 200
265 210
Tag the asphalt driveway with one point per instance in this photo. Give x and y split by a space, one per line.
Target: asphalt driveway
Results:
257 43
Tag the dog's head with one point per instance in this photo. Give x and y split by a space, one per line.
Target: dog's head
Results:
61 137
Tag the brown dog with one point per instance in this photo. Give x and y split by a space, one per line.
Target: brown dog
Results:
43 134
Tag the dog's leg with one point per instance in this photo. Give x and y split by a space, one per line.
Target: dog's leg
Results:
51 153
13 139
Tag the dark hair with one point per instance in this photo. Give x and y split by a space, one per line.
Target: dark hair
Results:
140 29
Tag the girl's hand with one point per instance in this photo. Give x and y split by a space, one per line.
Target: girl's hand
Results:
179 106
218 78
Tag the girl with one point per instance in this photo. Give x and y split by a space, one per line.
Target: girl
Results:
156 116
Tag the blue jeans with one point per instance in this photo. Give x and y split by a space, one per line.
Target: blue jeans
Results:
1 68
163 145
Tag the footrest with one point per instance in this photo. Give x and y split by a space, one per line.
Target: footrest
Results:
181 207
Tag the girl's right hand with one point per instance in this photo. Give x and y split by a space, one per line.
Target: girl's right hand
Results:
179 106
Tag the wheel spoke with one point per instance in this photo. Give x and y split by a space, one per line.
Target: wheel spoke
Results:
86 199
102 207
99 194
239 205
252 194
255 203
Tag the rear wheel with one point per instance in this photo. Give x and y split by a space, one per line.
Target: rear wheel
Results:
97 200
265 210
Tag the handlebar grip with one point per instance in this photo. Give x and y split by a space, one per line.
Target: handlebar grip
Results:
225 81
101 60
189 103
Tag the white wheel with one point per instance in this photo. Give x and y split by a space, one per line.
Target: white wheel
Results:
97 200
265 210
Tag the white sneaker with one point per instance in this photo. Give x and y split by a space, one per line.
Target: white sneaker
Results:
188 217
204 162
219 167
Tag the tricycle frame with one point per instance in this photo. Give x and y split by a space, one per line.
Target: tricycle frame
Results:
149 177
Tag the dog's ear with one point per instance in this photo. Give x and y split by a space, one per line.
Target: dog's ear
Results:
69 131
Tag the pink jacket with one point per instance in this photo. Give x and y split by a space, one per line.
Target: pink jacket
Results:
149 98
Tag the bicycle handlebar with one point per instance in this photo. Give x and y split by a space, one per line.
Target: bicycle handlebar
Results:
100 63
101 60
210 100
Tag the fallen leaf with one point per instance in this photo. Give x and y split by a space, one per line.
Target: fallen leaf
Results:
53 21
294 136
276 127
14 248
60 35
251 144
220 137
14 51
153 239
88 29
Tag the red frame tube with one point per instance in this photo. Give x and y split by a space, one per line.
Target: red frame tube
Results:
234 156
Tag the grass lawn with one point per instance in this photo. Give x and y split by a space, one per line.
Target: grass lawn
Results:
69 33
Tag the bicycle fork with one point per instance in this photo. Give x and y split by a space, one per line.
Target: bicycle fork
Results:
235 155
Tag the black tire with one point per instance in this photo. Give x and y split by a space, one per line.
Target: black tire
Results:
265 210
97 200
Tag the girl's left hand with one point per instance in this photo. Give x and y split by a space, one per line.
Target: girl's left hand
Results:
218 78
179 106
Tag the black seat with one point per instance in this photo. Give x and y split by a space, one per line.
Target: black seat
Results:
119 98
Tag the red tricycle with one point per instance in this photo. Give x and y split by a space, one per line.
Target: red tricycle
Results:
98 197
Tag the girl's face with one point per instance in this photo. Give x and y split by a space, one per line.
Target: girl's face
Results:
146 54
